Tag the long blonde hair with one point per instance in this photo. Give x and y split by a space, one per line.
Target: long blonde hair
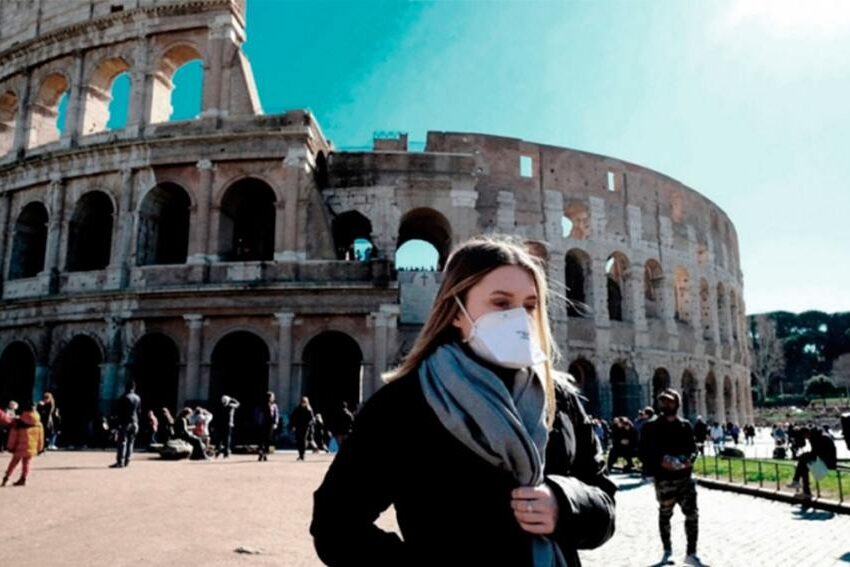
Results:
467 266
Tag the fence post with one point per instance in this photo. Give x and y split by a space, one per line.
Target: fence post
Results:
716 468
817 486
729 463
761 476
840 489
744 464
776 465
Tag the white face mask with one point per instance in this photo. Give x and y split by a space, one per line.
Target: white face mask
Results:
505 338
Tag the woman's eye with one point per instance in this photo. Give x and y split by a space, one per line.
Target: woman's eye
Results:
530 308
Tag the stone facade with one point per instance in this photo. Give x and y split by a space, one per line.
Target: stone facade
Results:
214 255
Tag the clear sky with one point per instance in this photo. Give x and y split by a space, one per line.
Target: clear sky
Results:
746 102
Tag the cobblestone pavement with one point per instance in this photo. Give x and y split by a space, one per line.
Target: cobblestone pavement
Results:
76 511
735 531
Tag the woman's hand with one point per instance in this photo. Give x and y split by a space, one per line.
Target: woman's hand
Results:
535 508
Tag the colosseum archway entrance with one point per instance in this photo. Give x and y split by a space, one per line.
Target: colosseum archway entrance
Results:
29 243
17 374
154 366
625 390
690 404
240 369
577 280
615 270
77 381
90 233
660 382
352 234
247 224
729 399
427 225
585 375
332 371
711 398
163 236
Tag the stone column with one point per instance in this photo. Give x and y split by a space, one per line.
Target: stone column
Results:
5 230
719 401
201 238
713 315
138 77
220 34
110 386
725 320
120 265
22 124
634 305
600 292
732 411
380 322
282 382
286 229
668 303
191 388
701 405
52 262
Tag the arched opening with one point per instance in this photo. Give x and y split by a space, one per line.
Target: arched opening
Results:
728 398
585 376
331 380
240 369
711 397
417 256
722 311
77 381
46 110
683 295
689 396
101 106
246 229
163 226
615 276
17 374
660 382
29 242
733 310
653 285
427 225
8 121
579 220
352 234
90 233
177 85
577 279
154 366
705 309
625 392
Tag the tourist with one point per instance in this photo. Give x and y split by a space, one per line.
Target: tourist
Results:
182 430
750 434
25 441
456 440
151 428
300 422
624 443
668 452
822 449
718 437
166 426
700 434
49 415
224 425
268 417
6 420
341 428
127 424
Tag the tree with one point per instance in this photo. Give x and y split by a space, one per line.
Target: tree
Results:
768 357
820 385
841 373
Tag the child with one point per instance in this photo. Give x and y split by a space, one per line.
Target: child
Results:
26 440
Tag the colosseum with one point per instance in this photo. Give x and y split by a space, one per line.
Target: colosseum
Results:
217 254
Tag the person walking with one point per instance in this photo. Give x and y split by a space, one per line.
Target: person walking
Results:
342 424
49 415
268 417
127 422
300 422
6 420
224 425
823 449
25 441
668 451
482 447
700 434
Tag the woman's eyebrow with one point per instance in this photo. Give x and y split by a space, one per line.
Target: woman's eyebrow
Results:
509 294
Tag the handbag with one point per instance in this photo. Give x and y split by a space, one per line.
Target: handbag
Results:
818 469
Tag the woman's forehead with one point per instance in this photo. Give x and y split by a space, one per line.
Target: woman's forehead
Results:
511 280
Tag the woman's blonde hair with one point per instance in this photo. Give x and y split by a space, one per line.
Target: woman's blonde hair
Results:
467 266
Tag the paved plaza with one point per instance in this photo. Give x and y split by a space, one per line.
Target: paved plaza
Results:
76 511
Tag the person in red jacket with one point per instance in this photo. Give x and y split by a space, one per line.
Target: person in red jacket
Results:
26 440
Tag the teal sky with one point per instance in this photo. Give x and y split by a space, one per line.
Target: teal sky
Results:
746 102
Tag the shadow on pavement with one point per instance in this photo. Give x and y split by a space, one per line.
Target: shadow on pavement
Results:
845 557
811 514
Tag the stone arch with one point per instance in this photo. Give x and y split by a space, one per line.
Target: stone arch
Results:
428 225
29 241
154 365
330 380
173 57
683 295
44 109
625 390
584 374
98 93
615 277
690 395
352 234
9 116
728 398
90 233
17 373
578 282
660 381
579 217
239 367
163 225
705 309
247 222
653 289
711 398
77 388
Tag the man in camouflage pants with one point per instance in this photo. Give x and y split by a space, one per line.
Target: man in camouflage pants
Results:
668 450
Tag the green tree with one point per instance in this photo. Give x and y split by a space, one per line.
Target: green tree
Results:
821 386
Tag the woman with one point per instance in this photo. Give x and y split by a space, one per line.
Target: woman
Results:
49 415
268 417
486 455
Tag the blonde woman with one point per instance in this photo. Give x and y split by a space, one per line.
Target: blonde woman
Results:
483 450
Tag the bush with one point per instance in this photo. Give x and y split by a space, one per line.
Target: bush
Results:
732 452
798 400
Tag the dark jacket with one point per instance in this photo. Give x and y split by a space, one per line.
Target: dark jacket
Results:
824 447
128 408
453 508
225 414
662 437
301 419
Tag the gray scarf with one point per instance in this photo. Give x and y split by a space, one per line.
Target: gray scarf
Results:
506 429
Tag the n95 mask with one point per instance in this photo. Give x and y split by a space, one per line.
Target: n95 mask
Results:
505 338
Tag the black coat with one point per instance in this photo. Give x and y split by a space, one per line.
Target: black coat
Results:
452 507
